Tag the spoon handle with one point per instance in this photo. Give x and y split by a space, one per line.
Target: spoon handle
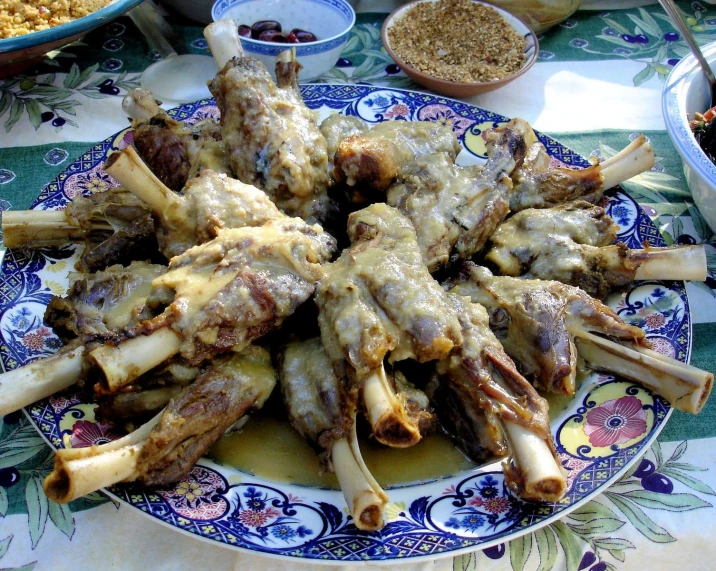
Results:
678 21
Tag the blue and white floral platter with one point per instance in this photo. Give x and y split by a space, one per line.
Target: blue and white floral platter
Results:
607 426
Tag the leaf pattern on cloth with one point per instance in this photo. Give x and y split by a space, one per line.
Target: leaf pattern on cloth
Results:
600 534
52 99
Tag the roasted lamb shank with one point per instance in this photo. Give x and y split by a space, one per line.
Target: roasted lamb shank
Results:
378 299
165 449
489 409
115 226
220 296
209 202
539 184
374 159
322 408
96 308
545 326
455 209
574 244
271 136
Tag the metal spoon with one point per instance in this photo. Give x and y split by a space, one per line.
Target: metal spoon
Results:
678 21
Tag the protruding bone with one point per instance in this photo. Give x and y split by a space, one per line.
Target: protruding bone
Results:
632 160
75 478
365 498
43 228
389 421
131 172
140 104
39 379
80 471
123 363
224 42
677 263
685 387
543 477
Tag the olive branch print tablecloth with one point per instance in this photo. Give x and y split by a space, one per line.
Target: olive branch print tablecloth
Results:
597 83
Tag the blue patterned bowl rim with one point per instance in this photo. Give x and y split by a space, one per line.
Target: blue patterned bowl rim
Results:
84 24
220 8
673 103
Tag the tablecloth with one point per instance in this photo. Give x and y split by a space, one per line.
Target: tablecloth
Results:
597 82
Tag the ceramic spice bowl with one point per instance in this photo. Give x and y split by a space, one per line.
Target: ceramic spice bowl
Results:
491 33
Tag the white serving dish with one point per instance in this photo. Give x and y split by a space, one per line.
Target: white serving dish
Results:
686 92
330 20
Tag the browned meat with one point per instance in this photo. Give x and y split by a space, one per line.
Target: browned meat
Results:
221 295
173 150
272 138
538 183
571 244
193 421
489 408
136 241
99 306
378 298
336 128
535 320
374 159
455 209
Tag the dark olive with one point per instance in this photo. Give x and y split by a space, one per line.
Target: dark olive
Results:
245 31
291 38
264 26
272 36
304 36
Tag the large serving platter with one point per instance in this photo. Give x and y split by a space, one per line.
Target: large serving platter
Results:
607 426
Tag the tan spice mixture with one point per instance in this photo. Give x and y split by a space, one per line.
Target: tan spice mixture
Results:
18 18
458 40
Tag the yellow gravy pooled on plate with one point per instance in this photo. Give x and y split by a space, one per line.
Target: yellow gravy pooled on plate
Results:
268 447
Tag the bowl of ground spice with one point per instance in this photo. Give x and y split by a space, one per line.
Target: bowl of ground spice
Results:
459 48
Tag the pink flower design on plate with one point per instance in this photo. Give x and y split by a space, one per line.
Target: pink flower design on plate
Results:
36 341
60 403
196 497
615 422
398 111
654 320
491 505
85 433
443 114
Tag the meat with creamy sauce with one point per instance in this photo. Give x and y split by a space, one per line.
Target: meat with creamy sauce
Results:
536 320
374 159
455 209
272 138
378 299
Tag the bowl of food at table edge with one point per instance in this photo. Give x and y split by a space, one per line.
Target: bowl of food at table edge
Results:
685 102
317 29
28 32
426 39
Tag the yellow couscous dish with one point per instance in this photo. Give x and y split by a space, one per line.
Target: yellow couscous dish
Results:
18 18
